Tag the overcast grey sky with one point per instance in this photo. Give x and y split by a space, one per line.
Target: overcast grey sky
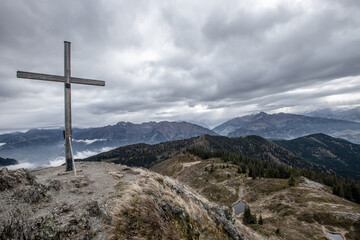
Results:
203 61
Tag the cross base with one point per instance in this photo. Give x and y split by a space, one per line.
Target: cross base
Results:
66 173
69 164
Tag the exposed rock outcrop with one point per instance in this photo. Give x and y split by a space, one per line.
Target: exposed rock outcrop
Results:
11 179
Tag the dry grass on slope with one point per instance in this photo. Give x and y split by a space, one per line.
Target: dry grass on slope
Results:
156 207
215 186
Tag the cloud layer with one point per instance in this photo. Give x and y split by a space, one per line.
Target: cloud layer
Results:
206 61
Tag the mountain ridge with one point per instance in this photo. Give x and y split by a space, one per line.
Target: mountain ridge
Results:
288 126
143 155
335 153
338 157
127 132
352 114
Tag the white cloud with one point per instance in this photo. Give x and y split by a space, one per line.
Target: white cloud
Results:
89 141
88 153
57 162
22 165
84 154
106 149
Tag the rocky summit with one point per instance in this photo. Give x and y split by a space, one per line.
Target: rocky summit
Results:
106 201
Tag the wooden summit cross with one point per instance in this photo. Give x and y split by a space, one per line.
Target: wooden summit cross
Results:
67 80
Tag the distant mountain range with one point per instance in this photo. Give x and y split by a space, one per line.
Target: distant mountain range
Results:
39 145
122 133
33 137
288 126
125 133
350 114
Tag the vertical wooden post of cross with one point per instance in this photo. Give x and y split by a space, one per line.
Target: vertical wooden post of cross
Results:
68 129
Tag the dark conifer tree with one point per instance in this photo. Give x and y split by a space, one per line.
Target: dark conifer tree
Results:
292 182
212 169
261 222
247 215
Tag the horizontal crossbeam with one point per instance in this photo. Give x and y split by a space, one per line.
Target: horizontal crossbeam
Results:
56 78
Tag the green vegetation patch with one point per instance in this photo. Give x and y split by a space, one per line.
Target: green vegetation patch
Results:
354 233
278 207
326 219
264 187
160 180
219 194
273 186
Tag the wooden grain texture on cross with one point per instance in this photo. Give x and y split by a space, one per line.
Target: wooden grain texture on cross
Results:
56 78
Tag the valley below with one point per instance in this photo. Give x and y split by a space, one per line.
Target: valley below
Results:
305 211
